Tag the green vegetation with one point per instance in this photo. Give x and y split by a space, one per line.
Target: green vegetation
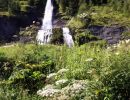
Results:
94 70
16 7
106 70
57 36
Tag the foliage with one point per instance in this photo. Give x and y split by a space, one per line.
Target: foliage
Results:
29 33
28 79
76 23
6 66
126 34
28 69
16 7
83 7
57 36
15 93
105 69
85 37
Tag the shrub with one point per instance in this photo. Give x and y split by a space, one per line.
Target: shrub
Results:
125 34
76 23
30 72
83 7
85 37
28 79
28 34
6 66
80 21
57 36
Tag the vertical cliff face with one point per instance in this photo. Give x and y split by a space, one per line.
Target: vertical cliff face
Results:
10 26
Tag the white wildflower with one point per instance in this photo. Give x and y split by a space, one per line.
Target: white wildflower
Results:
61 82
93 13
121 42
89 60
118 45
52 75
77 86
49 86
108 48
127 41
117 53
48 92
114 46
91 71
61 71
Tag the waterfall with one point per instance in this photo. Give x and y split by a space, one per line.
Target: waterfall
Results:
44 34
67 37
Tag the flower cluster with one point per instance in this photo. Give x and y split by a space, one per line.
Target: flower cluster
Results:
89 60
76 88
124 41
61 82
83 15
52 75
61 71
48 91
93 13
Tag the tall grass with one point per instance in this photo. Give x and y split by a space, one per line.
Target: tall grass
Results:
106 69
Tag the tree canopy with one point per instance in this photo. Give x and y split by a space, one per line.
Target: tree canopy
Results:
69 7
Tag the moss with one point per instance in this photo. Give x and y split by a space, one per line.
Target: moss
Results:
57 36
106 15
76 23
85 37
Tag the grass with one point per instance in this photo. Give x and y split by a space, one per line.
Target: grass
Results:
107 16
6 13
100 65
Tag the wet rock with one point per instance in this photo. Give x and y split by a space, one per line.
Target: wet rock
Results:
110 33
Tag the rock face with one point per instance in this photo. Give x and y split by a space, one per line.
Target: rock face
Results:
112 33
10 26
57 23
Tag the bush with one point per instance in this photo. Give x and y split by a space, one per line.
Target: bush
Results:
125 34
76 23
28 79
28 34
80 21
28 68
31 73
110 81
57 36
6 66
85 37
83 7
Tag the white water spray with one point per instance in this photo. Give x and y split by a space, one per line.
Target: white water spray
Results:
44 34
67 37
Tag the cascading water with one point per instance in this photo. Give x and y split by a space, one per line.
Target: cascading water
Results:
45 32
67 37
